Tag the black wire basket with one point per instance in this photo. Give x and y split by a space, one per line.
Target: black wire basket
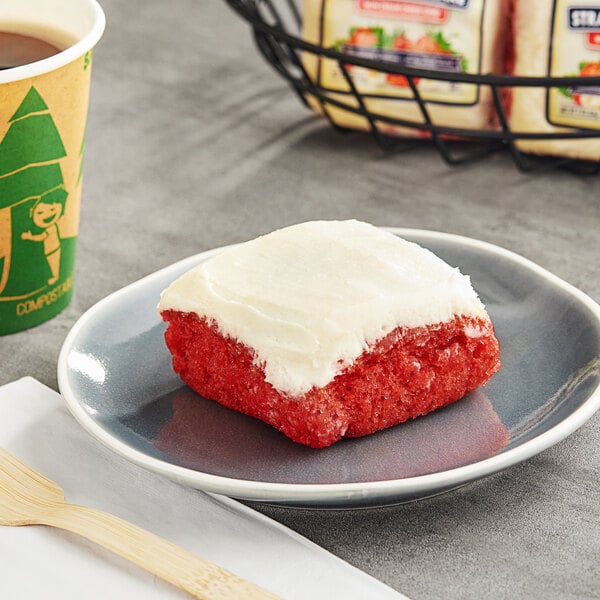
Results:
277 27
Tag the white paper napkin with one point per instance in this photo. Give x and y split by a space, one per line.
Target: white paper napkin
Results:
36 426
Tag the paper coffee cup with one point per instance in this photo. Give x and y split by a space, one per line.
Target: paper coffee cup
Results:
43 112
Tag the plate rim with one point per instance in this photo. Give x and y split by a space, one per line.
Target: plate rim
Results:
364 493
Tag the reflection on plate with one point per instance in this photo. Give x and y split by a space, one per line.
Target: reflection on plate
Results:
115 374
466 432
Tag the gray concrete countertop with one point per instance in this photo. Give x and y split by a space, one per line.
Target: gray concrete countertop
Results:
195 142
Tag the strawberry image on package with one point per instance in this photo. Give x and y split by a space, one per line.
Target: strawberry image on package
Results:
436 35
329 329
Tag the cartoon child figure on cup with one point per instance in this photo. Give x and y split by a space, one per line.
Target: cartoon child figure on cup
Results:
45 214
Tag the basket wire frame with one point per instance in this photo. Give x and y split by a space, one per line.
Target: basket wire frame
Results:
276 26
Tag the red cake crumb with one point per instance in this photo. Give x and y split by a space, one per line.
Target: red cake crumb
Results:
408 373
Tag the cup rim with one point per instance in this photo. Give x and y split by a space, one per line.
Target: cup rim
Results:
62 58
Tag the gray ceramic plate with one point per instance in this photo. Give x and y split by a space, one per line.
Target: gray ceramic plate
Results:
115 374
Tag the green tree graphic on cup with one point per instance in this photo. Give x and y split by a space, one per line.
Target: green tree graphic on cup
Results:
32 200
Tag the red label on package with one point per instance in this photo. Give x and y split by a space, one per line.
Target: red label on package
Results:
593 40
399 9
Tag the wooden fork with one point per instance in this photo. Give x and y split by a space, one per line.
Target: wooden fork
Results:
29 498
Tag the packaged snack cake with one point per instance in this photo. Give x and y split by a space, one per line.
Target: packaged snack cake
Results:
557 38
458 36
329 329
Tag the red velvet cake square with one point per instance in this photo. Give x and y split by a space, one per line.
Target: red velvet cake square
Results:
329 329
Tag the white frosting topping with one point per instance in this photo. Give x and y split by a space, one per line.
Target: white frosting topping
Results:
310 298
